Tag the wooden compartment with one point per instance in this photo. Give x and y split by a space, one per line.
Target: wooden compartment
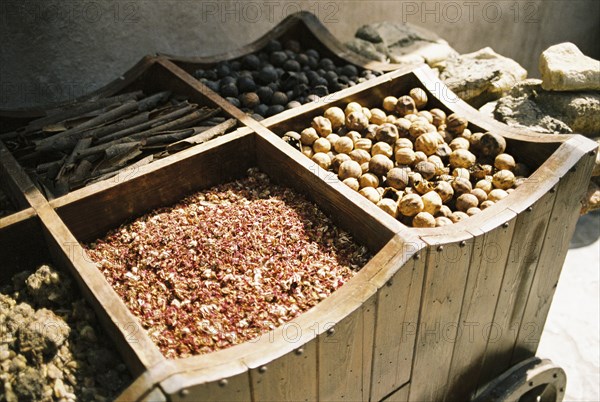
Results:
152 76
489 280
29 240
91 215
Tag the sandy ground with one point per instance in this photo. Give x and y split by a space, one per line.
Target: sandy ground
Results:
571 336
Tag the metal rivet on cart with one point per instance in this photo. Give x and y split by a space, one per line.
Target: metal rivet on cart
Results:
416 256
184 392
299 351
223 382
440 248
529 209
463 243
505 225
262 369
331 331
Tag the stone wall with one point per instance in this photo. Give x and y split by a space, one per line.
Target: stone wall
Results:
59 49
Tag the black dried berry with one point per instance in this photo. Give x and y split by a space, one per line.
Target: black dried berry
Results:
278 58
246 84
261 109
264 93
250 62
279 98
291 65
327 64
312 53
234 101
273 46
319 90
229 90
349 70
274 109
223 70
267 75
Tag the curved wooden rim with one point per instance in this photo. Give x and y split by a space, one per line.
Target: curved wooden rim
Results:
310 21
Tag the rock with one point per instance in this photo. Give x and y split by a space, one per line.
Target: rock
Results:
28 385
47 287
400 43
579 110
368 50
481 76
565 68
596 171
42 336
591 200
530 106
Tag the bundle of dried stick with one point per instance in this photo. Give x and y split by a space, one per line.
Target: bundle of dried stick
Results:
90 141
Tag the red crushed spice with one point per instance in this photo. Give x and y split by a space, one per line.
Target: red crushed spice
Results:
226 264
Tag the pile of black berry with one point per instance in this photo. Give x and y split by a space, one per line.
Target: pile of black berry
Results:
279 77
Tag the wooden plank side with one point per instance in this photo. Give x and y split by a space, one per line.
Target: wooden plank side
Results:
345 356
396 328
490 253
132 341
400 395
524 253
292 377
564 217
183 387
443 290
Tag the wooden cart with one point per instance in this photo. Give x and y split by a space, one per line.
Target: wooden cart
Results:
435 315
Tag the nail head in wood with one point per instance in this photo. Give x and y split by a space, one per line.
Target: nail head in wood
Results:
573 169
222 382
299 351
331 331
463 243
529 209
505 225
389 283
416 256
184 392
553 190
592 153
262 369
440 248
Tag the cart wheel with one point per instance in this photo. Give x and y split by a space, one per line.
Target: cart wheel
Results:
531 380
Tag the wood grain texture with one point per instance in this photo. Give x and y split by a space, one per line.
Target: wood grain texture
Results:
131 340
292 377
20 189
184 387
565 213
400 395
156 395
489 255
520 267
344 356
396 328
443 290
